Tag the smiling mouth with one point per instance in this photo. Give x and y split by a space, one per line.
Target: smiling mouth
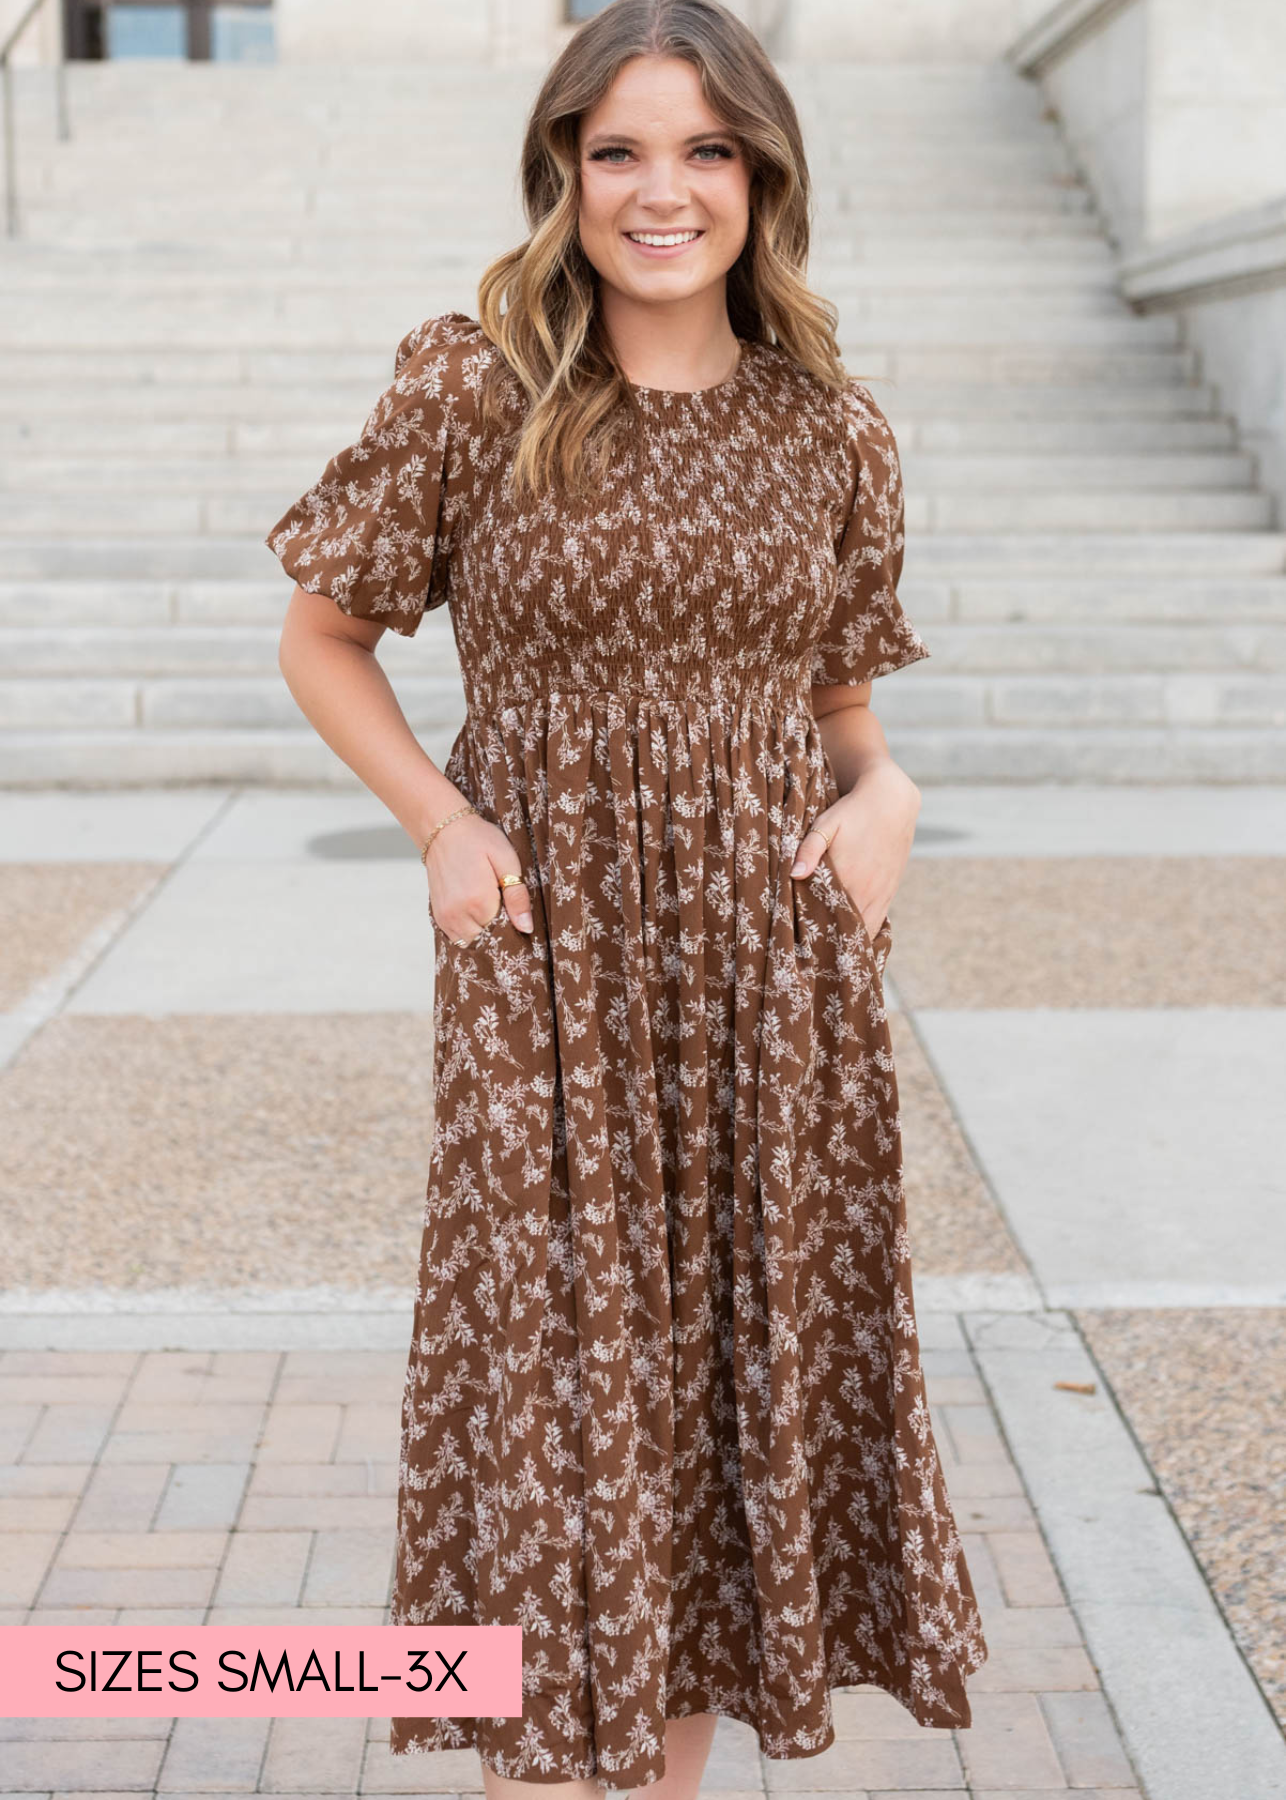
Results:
664 240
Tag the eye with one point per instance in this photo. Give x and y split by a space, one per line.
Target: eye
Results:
606 151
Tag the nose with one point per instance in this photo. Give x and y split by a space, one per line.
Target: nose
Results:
661 186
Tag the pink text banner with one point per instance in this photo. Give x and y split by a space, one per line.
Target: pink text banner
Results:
257 1671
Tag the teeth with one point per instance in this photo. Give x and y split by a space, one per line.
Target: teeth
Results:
661 241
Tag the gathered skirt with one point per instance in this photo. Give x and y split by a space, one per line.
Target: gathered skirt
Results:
664 1406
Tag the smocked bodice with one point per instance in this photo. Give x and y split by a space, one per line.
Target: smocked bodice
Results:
746 539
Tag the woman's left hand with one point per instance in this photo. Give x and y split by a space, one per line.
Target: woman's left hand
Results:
871 829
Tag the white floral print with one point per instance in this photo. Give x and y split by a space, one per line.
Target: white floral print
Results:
664 1406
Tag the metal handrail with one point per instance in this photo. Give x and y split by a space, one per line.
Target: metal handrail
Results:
10 130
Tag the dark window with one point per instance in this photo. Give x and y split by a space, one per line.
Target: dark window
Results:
171 30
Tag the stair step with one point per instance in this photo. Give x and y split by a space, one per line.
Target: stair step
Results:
1085 649
226 700
962 552
1047 554
874 233
44 480
155 558
1055 440
343 405
209 267
230 699
1012 755
1016 365
1078 280
60 609
939 472
323 372
54 441
1166 756
877 239
307 324
180 518
99 601
1159 594
1092 510
250 191
1064 699
154 648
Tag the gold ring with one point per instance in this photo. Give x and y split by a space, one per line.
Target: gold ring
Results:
510 881
821 834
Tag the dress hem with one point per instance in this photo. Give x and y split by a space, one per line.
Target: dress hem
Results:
954 1716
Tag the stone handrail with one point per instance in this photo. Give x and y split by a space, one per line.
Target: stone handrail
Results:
10 125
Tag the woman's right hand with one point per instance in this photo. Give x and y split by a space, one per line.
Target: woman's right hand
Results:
464 864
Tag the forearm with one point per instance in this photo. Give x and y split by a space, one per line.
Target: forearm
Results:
852 736
344 693
868 830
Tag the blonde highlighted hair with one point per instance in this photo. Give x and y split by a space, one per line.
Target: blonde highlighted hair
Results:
537 303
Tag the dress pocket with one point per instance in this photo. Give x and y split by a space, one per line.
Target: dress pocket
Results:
491 925
876 944
494 1063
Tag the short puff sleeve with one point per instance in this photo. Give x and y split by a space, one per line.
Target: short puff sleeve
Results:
372 531
867 633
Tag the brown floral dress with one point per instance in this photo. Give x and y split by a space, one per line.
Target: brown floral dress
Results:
664 1406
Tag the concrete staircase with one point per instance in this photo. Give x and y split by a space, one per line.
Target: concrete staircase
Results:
215 272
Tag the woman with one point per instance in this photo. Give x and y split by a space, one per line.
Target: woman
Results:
664 1404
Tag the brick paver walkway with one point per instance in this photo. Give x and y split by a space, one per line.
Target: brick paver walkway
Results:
227 1486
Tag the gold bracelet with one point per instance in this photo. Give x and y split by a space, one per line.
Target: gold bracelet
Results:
459 813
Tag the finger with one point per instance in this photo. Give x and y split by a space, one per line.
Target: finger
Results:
464 927
463 931
809 854
516 898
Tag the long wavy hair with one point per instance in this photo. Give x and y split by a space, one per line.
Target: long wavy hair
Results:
538 303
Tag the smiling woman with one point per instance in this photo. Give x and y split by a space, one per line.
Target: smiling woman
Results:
664 213
664 1405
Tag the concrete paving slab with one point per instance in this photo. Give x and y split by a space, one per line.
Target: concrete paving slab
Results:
50 911
228 937
305 824
956 1228
1106 931
218 1151
192 1319
1131 1152
1205 1392
1191 1716
149 824
46 997
1084 819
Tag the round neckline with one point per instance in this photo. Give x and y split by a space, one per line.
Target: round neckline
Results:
718 387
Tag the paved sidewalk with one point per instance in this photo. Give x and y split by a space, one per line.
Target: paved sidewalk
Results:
253 1486
212 1194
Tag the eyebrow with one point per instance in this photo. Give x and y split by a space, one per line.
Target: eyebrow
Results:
623 137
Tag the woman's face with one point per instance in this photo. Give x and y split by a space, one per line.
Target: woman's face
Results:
654 160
